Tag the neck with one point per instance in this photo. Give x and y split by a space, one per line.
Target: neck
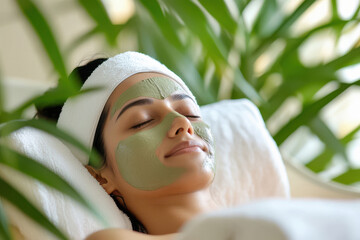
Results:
169 214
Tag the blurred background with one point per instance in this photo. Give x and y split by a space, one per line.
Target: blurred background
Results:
297 60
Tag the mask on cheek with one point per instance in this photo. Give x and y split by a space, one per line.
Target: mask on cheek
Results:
137 160
203 131
141 168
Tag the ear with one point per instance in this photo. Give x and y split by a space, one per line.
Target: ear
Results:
103 177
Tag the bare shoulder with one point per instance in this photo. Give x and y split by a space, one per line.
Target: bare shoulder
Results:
118 234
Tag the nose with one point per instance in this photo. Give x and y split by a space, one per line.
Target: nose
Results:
181 125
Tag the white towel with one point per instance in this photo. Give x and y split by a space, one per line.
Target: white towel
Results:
248 163
279 220
64 212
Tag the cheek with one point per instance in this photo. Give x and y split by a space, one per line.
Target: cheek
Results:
138 163
110 144
203 131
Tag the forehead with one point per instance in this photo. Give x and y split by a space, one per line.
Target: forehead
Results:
151 85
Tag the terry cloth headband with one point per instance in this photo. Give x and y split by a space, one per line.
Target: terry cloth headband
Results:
80 115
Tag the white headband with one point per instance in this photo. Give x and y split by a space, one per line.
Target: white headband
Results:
79 116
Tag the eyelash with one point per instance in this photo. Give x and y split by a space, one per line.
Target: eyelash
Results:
141 124
148 121
192 116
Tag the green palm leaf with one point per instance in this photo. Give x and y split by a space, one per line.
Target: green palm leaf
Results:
305 76
49 127
97 12
180 63
45 35
81 39
17 199
154 9
308 113
349 177
1 98
267 19
4 225
242 4
320 128
37 171
221 13
356 13
52 97
320 162
196 22
283 27
292 45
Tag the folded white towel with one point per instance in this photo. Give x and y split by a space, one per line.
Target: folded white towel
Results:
248 163
279 220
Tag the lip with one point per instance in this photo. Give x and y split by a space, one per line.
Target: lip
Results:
186 147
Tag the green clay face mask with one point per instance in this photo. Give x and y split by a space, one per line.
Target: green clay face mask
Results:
136 155
156 87
137 160
203 131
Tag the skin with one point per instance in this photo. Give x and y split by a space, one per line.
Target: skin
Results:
186 195
153 174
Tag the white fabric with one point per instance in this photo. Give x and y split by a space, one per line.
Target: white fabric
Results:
80 115
279 220
248 162
72 218
249 166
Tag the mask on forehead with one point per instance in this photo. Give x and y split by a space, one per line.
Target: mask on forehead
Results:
136 155
156 87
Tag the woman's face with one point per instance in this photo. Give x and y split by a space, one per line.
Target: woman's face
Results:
155 139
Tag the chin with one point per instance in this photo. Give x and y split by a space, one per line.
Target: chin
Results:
194 181
199 174
189 182
194 161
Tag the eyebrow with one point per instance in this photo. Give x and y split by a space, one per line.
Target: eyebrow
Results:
136 103
175 97
180 96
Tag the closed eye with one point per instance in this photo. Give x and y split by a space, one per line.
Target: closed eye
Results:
148 121
192 116
141 124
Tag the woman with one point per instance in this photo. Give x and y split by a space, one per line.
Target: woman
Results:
158 153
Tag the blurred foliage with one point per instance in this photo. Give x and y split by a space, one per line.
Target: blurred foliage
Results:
220 54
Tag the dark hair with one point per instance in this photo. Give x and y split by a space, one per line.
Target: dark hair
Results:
52 113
